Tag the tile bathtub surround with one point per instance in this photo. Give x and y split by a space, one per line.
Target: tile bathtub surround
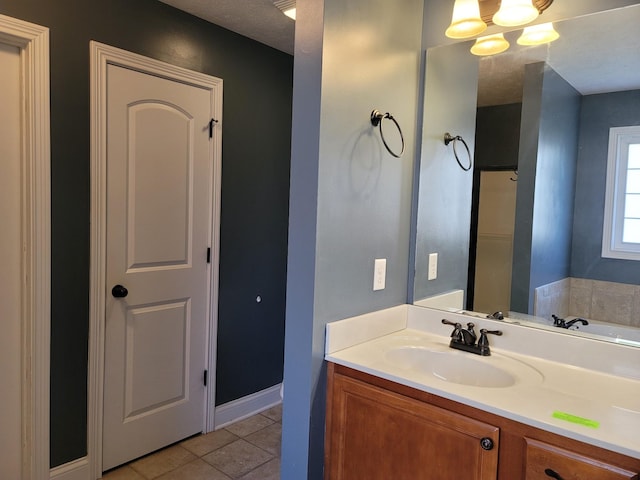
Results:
592 299
553 298
245 450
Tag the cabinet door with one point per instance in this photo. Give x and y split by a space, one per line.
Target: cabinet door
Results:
546 462
377 434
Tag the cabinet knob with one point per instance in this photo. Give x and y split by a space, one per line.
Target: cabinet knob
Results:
486 443
551 473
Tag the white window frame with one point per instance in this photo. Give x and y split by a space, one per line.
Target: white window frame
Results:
617 161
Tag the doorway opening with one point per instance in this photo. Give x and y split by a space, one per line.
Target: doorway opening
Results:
491 239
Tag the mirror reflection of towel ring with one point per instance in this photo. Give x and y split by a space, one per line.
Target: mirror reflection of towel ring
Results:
376 121
448 138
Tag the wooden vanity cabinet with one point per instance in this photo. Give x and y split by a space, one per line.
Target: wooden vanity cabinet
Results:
544 462
377 434
380 430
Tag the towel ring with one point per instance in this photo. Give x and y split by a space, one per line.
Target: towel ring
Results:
448 138
376 121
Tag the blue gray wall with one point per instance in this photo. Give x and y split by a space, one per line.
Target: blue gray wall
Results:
546 183
351 57
255 172
444 190
599 113
350 199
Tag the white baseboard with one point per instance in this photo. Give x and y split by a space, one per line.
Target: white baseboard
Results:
76 470
245 407
224 415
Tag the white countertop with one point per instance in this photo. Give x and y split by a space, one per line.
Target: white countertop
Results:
603 388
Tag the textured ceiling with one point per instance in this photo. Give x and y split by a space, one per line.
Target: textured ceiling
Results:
259 20
596 54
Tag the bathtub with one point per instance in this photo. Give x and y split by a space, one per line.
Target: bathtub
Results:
619 333
596 329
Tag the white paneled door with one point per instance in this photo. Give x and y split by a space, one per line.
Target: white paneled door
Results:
159 229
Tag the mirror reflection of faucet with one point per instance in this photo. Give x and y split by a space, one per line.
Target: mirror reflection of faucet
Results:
496 316
562 323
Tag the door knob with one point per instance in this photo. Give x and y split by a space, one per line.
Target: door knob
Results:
119 291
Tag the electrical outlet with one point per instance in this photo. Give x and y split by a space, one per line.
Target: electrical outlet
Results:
379 273
433 266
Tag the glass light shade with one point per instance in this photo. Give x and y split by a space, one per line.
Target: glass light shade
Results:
515 12
538 34
490 45
466 21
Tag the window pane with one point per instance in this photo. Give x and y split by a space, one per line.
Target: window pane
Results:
622 198
633 181
631 231
632 206
634 155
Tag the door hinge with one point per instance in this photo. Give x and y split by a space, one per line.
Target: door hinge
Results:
211 122
209 255
206 377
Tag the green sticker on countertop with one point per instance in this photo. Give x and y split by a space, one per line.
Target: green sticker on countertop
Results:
567 417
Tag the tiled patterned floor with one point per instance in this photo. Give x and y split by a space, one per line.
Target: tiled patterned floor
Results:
246 450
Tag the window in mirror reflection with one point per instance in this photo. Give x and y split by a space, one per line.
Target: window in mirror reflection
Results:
631 227
621 237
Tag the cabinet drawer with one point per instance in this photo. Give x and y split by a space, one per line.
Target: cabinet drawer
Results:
545 462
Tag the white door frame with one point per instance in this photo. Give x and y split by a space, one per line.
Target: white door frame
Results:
102 56
33 42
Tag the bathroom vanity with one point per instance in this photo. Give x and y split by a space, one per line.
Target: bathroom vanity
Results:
401 404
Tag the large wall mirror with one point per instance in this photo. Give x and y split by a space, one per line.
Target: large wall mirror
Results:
521 233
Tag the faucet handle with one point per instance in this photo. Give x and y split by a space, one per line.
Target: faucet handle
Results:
492 332
484 332
483 343
558 322
457 331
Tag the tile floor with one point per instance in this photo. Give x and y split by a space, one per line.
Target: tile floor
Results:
246 450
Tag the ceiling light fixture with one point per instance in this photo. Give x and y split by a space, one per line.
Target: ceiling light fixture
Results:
465 21
471 17
490 45
288 7
538 34
513 13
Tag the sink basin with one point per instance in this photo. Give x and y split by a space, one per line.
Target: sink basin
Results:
462 368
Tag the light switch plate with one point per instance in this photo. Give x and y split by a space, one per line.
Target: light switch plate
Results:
379 273
433 266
